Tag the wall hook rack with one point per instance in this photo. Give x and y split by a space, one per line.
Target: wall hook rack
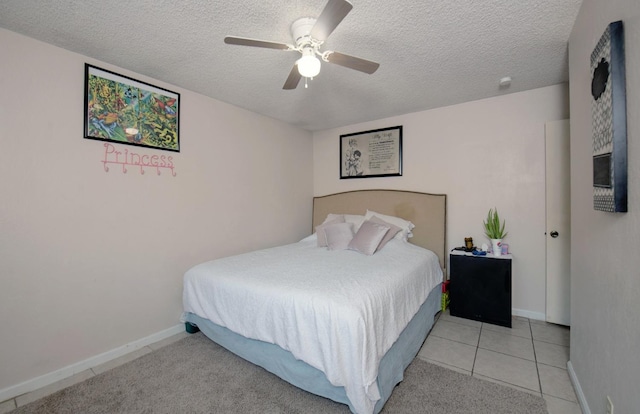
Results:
142 161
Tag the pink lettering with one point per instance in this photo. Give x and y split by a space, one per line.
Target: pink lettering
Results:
133 158
108 149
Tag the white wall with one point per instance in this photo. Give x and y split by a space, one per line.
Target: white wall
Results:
92 260
482 154
605 280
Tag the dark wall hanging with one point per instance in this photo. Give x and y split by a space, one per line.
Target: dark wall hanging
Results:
127 111
609 121
376 153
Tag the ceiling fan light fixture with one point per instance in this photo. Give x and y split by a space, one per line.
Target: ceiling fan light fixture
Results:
309 35
308 64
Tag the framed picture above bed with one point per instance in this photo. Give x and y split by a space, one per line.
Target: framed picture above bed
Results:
375 153
127 111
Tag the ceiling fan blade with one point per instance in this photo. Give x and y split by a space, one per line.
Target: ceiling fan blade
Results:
293 79
244 41
353 62
330 18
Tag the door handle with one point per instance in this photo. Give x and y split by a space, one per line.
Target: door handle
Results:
554 234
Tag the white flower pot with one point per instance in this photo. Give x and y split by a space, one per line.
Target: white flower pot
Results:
496 247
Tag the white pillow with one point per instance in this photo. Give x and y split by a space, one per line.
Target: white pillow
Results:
332 217
405 225
338 235
354 219
368 237
322 239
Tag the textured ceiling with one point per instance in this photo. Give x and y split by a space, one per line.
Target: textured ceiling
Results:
432 53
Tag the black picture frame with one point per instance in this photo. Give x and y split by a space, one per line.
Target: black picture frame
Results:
374 153
609 121
127 111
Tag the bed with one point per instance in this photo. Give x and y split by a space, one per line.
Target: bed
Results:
311 329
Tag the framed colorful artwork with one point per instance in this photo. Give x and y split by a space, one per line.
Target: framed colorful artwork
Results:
127 111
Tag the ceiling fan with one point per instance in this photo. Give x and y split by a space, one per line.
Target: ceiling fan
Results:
309 34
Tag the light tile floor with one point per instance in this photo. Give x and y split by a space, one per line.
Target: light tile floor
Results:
531 356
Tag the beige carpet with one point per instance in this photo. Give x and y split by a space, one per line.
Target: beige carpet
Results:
194 375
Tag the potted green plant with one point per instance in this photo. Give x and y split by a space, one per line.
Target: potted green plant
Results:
494 230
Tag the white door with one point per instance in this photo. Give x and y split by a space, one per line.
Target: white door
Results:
558 210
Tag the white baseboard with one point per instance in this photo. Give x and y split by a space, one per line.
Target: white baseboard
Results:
529 314
68 371
576 386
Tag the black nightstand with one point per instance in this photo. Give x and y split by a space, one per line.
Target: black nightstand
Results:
480 287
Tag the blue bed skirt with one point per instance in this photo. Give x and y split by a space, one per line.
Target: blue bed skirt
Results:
283 364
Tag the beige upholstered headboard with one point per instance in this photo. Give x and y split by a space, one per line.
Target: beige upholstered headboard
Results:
427 211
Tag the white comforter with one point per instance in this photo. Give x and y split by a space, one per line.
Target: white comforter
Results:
339 311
